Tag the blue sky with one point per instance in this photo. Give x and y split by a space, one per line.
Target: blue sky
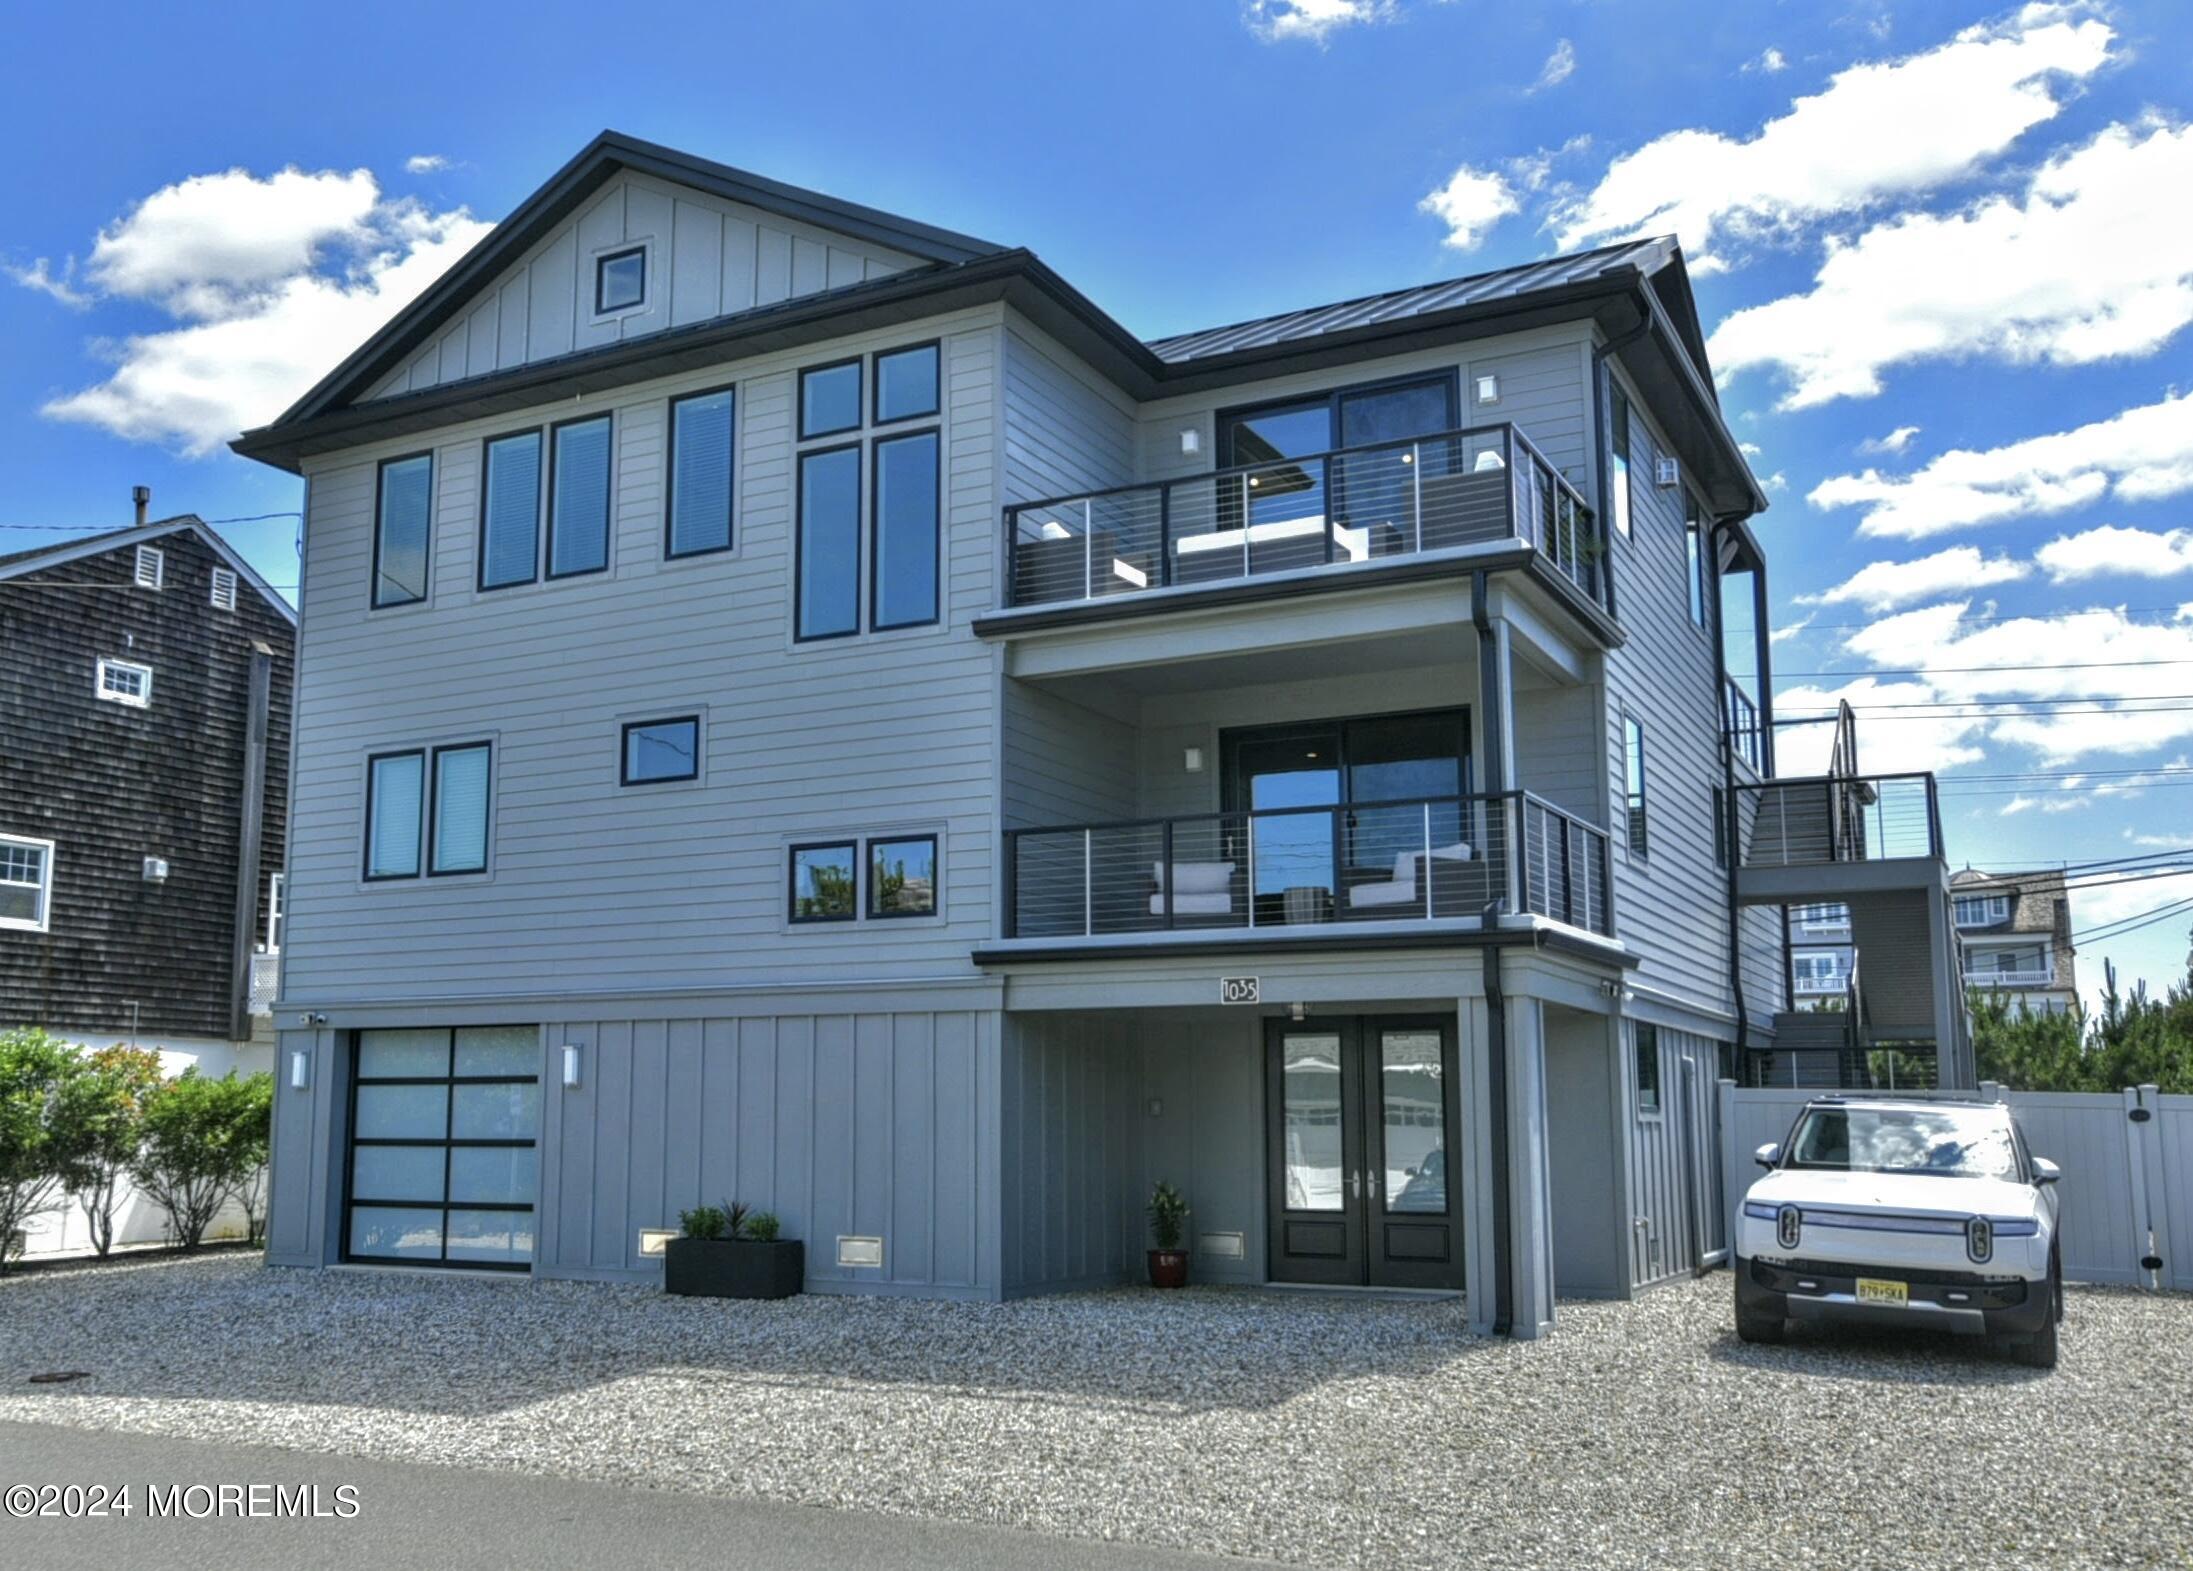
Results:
1948 290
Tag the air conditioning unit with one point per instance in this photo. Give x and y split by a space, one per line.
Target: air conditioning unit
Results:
1666 472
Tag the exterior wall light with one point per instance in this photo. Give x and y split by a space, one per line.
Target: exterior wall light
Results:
300 1069
571 1063
156 870
1488 389
1191 760
1191 440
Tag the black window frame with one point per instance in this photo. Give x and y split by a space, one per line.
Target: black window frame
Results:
449 1143
792 882
365 861
1636 826
867 871
670 551
607 417
601 269
488 444
1223 420
873 565
1644 1049
380 507
431 858
624 751
1694 526
876 416
860 397
1623 504
799 538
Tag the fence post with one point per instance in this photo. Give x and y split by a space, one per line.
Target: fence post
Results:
1732 1166
1990 1090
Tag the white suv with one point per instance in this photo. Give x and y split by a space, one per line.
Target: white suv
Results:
1903 1213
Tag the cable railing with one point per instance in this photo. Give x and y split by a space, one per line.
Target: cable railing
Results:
1740 713
1418 859
1353 505
1836 818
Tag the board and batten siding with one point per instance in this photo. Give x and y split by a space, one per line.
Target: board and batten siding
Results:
707 257
597 888
1674 1156
1070 1147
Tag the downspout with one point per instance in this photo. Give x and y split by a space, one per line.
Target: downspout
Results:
1730 817
1602 490
251 817
1494 728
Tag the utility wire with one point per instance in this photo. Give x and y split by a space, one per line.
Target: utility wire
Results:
111 529
1970 670
2132 924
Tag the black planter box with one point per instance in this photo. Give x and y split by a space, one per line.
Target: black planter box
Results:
733 1268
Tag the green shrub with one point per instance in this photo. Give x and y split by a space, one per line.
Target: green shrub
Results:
702 1222
47 1113
1168 1216
205 1142
763 1227
118 1080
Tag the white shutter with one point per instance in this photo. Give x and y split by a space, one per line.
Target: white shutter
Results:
151 567
224 589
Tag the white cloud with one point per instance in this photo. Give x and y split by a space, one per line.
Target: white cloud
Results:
1782 635
1559 66
1914 743
2138 455
1777 481
2085 265
2097 907
1883 586
1276 21
425 163
60 286
1770 61
1469 204
1895 442
2137 553
1878 130
270 282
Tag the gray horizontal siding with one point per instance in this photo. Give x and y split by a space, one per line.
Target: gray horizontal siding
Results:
1065 431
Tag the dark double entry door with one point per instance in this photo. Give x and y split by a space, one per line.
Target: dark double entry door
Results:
1363 1114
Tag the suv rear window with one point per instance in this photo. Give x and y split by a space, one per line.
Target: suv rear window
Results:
1945 1142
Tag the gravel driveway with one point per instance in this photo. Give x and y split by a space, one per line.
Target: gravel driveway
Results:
1304 1427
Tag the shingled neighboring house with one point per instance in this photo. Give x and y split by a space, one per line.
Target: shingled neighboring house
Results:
2016 930
145 679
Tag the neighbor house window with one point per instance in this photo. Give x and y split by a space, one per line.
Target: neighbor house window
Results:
26 883
1618 478
659 750
223 594
903 553
1633 780
902 877
150 567
578 497
1823 915
823 882
906 384
829 544
702 468
510 511
1648 1067
830 399
277 896
402 527
460 809
124 682
427 813
620 280
1982 910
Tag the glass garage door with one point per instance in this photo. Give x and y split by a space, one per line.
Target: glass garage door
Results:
443 1126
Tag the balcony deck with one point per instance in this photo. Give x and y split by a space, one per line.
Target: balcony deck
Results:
1823 839
1321 521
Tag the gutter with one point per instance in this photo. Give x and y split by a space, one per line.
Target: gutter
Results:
1729 816
1492 726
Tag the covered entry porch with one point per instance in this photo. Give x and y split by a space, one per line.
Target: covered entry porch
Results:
1332 1135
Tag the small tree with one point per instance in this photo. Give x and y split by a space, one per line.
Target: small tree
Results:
194 1156
114 1086
251 1122
42 1127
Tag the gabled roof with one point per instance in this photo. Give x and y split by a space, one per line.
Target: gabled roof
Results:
39 558
1394 305
601 160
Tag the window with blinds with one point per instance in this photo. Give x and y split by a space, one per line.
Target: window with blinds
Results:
427 811
460 809
702 467
395 809
578 513
510 512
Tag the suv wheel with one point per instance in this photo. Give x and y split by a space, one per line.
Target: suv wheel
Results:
2038 1351
1752 1326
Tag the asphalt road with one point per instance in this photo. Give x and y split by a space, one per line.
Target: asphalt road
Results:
409 1515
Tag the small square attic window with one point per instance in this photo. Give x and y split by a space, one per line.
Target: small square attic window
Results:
224 589
620 280
151 567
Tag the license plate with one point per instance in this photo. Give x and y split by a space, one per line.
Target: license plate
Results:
1872 1290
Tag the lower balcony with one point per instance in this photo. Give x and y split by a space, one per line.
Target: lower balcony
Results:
1305 872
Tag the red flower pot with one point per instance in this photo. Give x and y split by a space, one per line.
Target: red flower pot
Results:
1168 1268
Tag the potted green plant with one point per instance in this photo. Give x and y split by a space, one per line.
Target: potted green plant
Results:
1168 1227
726 1252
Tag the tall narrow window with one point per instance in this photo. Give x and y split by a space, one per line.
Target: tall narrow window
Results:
401 530
277 895
829 543
395 814
26 883
1694 545
1720 828
905 549
1648 1067
460 809
1618 477
1633 780
510 512
578 507
702 468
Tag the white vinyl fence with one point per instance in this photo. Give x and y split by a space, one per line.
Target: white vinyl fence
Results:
2127 1191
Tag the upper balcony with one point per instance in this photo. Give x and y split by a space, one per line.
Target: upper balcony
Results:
1350 518
1824 838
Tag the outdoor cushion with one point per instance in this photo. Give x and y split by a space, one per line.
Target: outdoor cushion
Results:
1196 878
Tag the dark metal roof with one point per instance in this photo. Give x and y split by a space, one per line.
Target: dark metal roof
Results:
1637 256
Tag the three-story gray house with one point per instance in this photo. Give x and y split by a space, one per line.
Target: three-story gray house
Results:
800 705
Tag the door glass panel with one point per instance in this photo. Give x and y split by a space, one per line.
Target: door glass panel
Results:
499 1050
1272 518
1413 1117
502 1237
397 1234
402 1112
386 1055
1292 852
492 1175
495 1112
1310 1080
397 1173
